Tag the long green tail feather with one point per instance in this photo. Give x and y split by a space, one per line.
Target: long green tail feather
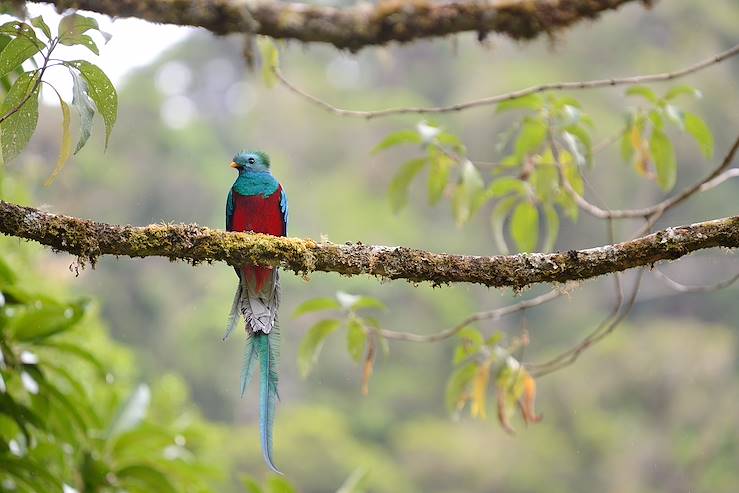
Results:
268 348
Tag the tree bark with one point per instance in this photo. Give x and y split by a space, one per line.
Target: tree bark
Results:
89 240
364 24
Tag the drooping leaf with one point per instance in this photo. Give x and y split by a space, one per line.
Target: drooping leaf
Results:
39 23
696 127
468 189
312 343
525 226
84 106
399 185
545 180
665 162
20 113
369 363
530 138
682 90
65 151
356 338
102 92
398 138
552 227
497 220
315 305
530 102
457 393
529 399
644 92
441 165
270 60
480 389
18 50
627 148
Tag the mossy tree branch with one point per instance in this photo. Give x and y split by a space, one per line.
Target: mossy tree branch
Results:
90 239
364 24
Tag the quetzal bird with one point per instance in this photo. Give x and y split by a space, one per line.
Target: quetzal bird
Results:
257 202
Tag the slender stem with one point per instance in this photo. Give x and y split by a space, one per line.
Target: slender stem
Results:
490 100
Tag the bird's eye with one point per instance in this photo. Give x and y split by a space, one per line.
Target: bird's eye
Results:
251 160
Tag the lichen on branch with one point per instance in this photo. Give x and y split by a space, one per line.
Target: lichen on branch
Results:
360 25
89 240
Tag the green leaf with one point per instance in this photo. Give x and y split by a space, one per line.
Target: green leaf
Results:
312 343
552 227
270 60
655 116
132 412
316 305
84 106
398 138
42 320
102 92
451 140
644 92
65 152
74 350
356 338
497 220
38 22
145 477
21 115
532 135
399 186
696 127
505 185
682 90
664 159
457 385
18 50
441 165
82 39
278 484
471 341
368 302
545 180
572 174
75 24
525 226
529 102
471 185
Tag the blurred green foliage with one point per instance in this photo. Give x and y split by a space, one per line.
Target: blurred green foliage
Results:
651 409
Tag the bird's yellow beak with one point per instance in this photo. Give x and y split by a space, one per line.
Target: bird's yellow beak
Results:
234 165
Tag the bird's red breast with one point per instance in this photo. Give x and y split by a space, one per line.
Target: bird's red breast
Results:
259 214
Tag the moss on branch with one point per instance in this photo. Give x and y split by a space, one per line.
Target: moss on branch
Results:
363 24
89 240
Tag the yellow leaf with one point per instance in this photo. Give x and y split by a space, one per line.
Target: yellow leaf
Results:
479 390
528 399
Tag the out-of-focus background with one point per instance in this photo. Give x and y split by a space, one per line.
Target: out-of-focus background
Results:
651 409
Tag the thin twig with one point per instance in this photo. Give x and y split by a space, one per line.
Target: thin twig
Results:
556 86
717 176
694 288
571 355
496 314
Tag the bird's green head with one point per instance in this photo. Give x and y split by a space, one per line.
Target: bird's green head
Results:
250 161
